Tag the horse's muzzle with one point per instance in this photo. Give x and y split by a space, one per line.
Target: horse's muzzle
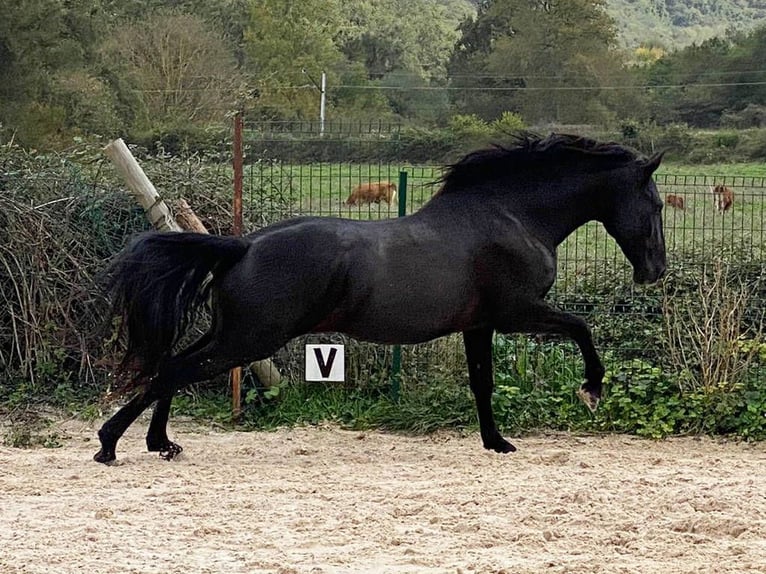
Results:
647 276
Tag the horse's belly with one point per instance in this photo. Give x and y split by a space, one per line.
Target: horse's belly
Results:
410 320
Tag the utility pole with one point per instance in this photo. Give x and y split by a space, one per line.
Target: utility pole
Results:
322 97
322 100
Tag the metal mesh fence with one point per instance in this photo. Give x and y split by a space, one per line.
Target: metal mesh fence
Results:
286 177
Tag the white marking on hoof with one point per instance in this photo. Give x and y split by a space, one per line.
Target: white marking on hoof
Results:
588 399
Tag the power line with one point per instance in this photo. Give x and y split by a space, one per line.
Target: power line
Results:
528 76
552 88
275 89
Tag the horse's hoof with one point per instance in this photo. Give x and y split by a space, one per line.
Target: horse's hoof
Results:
105 457
170 451
589 398
500 445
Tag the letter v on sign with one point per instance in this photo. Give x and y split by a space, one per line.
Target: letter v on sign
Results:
325 363
325 368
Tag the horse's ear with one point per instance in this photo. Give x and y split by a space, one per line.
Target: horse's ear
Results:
653 162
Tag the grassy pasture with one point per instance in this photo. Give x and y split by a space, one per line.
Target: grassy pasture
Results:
729 170
321 188
284 190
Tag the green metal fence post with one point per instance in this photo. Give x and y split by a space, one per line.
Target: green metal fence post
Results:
396 360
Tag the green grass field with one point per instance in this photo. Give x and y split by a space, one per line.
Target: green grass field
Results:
734 170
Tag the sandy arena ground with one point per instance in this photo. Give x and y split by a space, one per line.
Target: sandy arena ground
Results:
326 500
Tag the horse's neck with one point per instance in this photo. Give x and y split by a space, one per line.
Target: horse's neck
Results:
552 217
555 222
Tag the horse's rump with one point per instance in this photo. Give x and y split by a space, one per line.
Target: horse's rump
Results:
157 283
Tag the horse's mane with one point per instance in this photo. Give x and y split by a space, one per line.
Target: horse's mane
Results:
531 150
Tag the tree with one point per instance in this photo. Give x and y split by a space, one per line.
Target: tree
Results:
550 57
701 84
179 69
475 89
227 17
412 36
746 64
287 45
404 45
42 44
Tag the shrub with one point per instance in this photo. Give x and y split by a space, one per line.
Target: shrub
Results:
184 140
469 125
708 338
508 123
43 126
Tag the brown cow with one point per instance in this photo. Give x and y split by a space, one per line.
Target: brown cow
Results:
373 192
723 197
675 201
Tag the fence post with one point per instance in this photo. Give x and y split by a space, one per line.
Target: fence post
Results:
396 360
236 229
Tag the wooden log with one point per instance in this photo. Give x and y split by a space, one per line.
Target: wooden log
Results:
157 211
186 218
266 373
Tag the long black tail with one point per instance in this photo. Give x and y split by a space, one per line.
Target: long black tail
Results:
158 282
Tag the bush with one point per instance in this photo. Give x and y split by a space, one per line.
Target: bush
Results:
181 141
42 126
60 219
692 146
507 124
469 125
55 230
753 145
752 116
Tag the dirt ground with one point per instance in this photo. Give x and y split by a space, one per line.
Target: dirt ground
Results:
326 500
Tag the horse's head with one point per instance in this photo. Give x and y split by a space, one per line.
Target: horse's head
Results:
634 219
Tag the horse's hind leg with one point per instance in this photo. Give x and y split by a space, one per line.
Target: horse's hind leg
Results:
156 439
199 364
116 426
157 436
478 352
203 360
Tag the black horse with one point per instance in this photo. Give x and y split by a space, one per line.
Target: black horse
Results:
479 257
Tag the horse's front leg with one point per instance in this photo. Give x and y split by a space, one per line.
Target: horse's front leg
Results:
578 331
478 352
544 319
157 436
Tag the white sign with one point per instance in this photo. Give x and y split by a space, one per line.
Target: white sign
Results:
325 363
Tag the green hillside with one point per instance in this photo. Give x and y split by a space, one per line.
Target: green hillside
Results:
678 23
